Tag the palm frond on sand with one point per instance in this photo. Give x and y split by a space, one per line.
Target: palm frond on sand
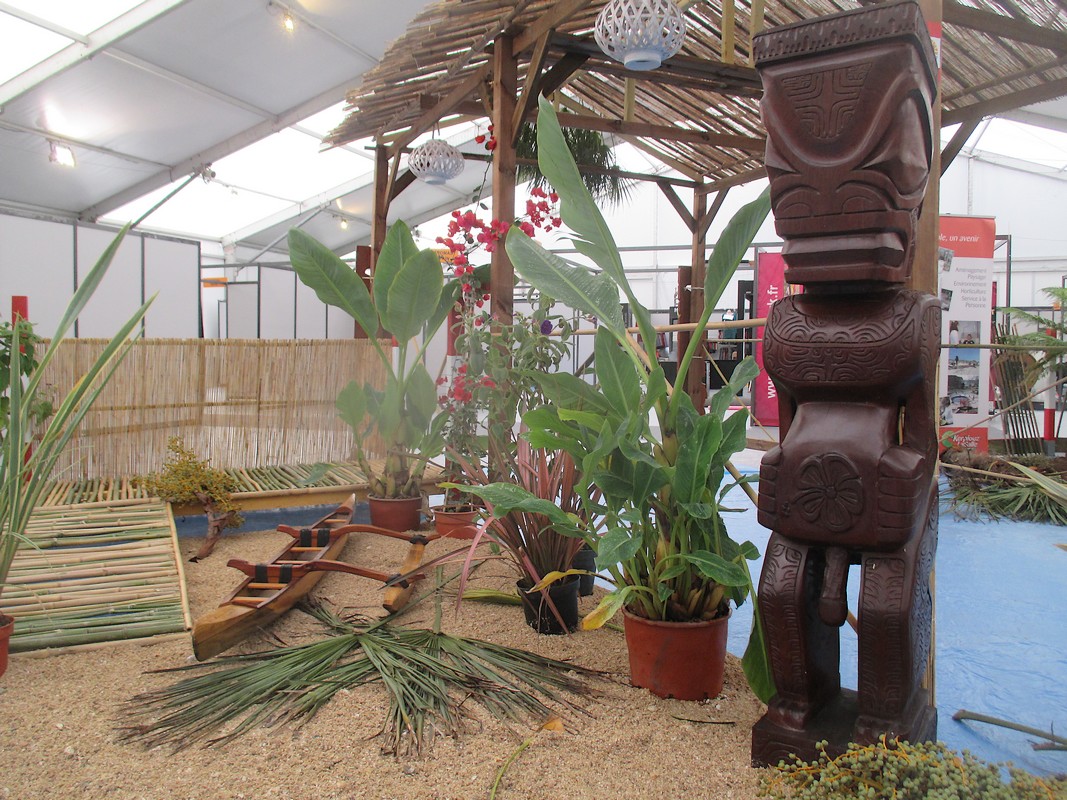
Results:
429 678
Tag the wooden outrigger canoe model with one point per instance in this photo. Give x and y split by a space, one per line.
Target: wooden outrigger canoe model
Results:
272 588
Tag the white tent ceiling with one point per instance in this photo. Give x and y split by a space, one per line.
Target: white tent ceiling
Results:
167 87
150 93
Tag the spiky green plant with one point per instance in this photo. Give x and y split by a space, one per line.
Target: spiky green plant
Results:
589 150
429 678
1051 346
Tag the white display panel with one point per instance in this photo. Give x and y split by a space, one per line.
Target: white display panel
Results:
172 269
119 293
37 261
310 314
277 304
242 311
338 324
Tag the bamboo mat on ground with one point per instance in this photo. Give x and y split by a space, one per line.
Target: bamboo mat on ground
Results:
279 480
96 572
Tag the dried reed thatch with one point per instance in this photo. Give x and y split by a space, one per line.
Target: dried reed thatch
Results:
238 403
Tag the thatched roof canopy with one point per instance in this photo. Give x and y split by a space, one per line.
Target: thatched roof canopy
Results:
699 112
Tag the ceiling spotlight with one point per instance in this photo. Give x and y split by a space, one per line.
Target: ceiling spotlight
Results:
640 33
344 224
436 161
61 154
288 22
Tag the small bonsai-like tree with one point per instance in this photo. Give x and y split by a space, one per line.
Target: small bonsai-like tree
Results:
187 479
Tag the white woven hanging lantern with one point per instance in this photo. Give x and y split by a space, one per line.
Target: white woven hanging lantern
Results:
436 161
640 33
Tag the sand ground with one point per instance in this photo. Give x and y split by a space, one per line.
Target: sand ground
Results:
58 738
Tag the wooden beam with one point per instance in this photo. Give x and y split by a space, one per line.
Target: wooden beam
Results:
505 88
403 181
547 22
1004 27
381 202
560 72
679 206
662 132
447 105
959 139
737 180
1008 102
629 99
709 217
738 79
531 87
696 379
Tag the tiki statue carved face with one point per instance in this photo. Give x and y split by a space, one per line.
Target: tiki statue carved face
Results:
846 105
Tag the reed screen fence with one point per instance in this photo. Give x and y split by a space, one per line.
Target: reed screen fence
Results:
238 403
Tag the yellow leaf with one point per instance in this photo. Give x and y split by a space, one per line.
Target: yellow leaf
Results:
554 724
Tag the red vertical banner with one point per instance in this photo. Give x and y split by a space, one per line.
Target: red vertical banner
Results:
770 286
20 307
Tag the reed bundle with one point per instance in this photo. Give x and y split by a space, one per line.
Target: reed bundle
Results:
97 572
238 403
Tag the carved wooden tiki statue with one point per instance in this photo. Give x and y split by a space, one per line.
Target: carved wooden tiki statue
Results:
847 109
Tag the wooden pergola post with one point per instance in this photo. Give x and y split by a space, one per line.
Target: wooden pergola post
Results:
505 89
380 212
696 384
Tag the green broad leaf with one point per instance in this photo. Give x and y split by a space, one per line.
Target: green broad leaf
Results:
749 550
734 434
756 663
673 570
698 510
717 568
607 608
656 388
590 419
696 456
616 374
316 473
508 497
421 396
616 546
449 297
569 391
398 248
413 295
746 372
730 249
573 285
577 207
664 591
334 282
352 406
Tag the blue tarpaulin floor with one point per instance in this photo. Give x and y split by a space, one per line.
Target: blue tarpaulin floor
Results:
1000 626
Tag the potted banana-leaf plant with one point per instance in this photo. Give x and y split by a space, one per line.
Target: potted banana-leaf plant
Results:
656 462
408 299
25 471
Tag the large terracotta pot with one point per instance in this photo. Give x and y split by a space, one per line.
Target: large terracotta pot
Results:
7 625
399 514
462 524
684 660
539 616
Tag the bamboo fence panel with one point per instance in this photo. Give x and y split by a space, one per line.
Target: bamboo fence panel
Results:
96 572
238 403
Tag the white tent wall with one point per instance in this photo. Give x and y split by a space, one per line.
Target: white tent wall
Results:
44 260
277 297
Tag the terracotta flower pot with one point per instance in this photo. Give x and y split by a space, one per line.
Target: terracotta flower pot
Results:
460 524
539 614
399 514
7 625
684 660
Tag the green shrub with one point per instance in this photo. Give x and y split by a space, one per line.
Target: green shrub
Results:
903 771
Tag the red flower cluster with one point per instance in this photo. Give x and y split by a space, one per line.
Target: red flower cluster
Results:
489 141
462 389
542 213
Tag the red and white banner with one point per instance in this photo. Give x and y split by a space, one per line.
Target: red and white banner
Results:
770 286
965 281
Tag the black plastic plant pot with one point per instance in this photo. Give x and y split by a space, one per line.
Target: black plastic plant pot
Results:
539 616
